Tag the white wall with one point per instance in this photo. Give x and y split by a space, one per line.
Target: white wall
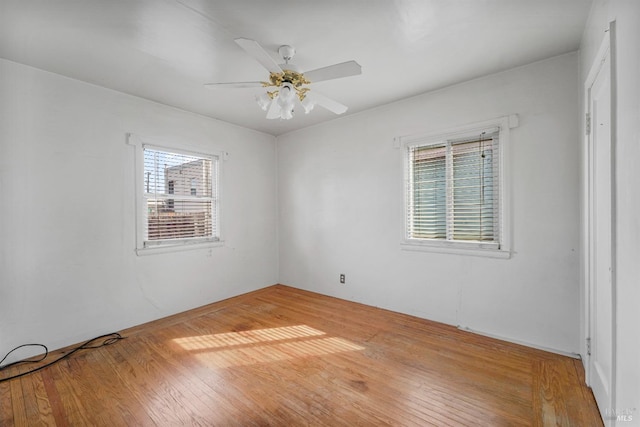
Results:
626 13
340 190
68 270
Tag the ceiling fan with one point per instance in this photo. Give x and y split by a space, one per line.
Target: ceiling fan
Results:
287 85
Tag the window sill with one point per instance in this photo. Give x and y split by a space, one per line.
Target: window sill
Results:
456 248
162 249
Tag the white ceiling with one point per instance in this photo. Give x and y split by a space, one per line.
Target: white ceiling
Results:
165 50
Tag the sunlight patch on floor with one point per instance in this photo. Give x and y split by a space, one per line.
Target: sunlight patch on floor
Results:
263 345
229 339
267 353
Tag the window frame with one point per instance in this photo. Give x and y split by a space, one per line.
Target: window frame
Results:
501 249
145 246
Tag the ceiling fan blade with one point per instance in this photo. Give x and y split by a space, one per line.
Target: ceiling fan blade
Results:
344 69
328 103
254 49
233 85
274 110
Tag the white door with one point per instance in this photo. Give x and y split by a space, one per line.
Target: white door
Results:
600 364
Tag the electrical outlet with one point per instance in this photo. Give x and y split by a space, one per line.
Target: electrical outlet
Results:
342 278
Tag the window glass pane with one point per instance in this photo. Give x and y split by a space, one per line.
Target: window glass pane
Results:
472 211
429 209
172 173
185 219
179 192
194 188
452 190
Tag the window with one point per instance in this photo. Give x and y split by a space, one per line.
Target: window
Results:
453 190
172 185
178 197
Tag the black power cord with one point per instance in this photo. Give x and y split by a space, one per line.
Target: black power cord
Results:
108 339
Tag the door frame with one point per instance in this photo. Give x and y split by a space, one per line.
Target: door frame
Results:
607 48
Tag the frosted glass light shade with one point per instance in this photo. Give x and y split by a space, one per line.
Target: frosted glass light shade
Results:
263 101
308 104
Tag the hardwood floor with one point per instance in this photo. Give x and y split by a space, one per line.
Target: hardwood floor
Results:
286 357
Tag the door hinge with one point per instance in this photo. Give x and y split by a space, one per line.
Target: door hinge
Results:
587 124
588 346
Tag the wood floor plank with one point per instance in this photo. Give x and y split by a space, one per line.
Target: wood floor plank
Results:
6 405
18 405
284 356
66 402
39 411
54 400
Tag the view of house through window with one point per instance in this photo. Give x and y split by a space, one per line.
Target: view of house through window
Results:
452 190
180 194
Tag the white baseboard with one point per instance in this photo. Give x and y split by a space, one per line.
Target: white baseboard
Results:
524 343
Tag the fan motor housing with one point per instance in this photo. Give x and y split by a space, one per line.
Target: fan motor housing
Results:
286 52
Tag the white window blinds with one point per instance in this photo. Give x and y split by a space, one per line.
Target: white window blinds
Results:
428 193
180 191
452 190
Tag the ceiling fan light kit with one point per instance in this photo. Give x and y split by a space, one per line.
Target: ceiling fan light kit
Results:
289 83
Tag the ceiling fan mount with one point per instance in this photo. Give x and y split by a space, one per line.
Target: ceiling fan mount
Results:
287 52
290 85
